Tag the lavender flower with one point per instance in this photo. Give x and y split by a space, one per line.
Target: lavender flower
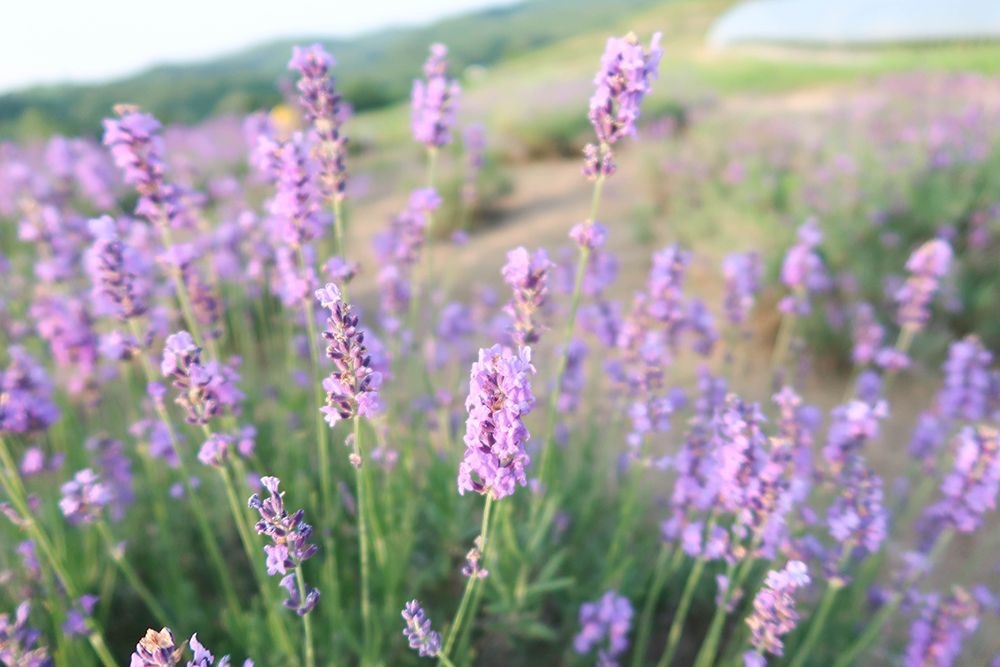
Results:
113 279
84 497
19 642
205 389
742 272
854 423
325 109
527 275
802 271
622 82
970 489
215 450
936 636
928 265
433 101
968 383
418 631
291 547
25 395
605 623
499 398
157 649
868 335
774 614
352 389
77 615
294 207
573 381
857 518
137 150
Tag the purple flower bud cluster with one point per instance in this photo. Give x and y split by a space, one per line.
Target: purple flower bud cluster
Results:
137 150
19 641
115 470
857 518
970 489
352 388
605 624
159 649
868 335
433 101
573 380
326 111
205 389
290 548
853 424
64 322
527 274
26 404
969 385
937 634
774 614
928 265
84 497
114 280
495 435
215 450
802 271
425 641
294 208
742 273
623 80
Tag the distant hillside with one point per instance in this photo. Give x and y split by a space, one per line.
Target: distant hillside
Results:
373 70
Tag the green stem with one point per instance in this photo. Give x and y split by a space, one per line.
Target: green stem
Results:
131 576
362 510
782 341
710 645
665 565
470 584
677 625
183 297
306 620
804 650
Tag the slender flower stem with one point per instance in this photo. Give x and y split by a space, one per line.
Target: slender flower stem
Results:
666 564
553 408
874 627
338 228
782 341
710 645
470 584
677 625
804 650
183 297
13 486
306 620
362 540
134 581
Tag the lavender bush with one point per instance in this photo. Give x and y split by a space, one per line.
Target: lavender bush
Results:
562 474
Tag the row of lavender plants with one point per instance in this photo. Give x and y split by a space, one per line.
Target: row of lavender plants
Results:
498 480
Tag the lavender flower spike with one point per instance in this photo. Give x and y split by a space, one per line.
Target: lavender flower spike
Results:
418 631
936 636
18 641
927 266
608 619
971 488
290 548
157 649
774 613
433 101
352 389
527 275
499 398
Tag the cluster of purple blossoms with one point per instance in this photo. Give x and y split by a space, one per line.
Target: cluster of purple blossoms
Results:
499 398
114 281
84 497
291 547
774 614
742 272
802 271
205 389
418 631
527 274
65 323
798 423
137 150
969 385
26 404
623 80
605 623
853 424
868 335
115 469
970 489
434 101
294 208
352 389
857 518
215 450
75 624
928 265
159 649
326 111
19 641
573 380
937 635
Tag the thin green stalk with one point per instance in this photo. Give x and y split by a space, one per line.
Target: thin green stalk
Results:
804 650
710 645
470 584
677 625
306 620
184 298
665 565
131 576
362 541
16 493
782 341
873 630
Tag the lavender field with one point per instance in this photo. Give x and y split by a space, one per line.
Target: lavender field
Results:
688 362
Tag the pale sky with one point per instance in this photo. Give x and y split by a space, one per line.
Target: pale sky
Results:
52 41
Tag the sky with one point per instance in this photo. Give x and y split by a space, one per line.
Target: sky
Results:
54 41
